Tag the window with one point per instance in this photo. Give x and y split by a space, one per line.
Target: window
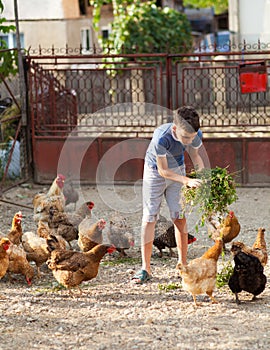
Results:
86 40
10 40
82 6
105 32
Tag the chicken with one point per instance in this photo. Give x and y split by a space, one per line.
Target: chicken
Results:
247 275
165 236
90 233
71 195
43 229
228 229
15 233
18 263
35 246
41 201
42 212
67 224
120 234
4 258
71 268
199 276
258 249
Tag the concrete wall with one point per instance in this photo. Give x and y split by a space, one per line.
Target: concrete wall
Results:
249 19
47 23
81 157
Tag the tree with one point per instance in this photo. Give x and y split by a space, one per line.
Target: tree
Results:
220 6
8 58
145 28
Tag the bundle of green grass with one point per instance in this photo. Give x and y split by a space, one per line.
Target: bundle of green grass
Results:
213 197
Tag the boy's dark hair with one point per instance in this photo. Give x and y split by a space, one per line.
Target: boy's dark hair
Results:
187 118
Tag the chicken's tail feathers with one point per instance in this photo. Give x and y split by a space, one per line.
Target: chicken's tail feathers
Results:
52 243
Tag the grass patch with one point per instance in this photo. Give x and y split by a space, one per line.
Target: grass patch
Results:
170 286
51 288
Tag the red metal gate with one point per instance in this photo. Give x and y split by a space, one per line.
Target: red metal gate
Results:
103 104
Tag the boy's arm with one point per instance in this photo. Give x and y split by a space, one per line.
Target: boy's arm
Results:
196 158
167 173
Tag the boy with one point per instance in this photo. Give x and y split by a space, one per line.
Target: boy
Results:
164 174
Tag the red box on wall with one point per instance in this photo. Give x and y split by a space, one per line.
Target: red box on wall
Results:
253 77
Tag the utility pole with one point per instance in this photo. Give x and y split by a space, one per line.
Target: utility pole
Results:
25 129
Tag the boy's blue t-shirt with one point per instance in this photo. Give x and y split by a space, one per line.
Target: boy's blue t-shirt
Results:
164 143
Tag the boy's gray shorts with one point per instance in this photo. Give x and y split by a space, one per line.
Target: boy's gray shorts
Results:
154 187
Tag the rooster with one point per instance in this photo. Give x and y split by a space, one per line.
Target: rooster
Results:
15 233
228 228
90 233
258 248
120 234
199 276
247 274
71 268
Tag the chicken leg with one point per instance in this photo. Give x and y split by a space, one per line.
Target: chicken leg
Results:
210 294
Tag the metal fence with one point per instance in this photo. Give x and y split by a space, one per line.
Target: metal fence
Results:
212 84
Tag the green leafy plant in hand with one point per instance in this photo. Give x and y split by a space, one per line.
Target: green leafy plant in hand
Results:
213 196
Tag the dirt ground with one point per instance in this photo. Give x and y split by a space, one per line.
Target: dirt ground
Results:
113 313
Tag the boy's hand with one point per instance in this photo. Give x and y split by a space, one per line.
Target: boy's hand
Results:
193 182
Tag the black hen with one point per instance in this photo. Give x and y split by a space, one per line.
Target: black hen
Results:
247 275
165 236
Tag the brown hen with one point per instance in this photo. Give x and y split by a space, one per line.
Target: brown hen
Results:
36 249
90 233
4 258
18 263
42 201
71 268
199 276
228 229
67 224
15 233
